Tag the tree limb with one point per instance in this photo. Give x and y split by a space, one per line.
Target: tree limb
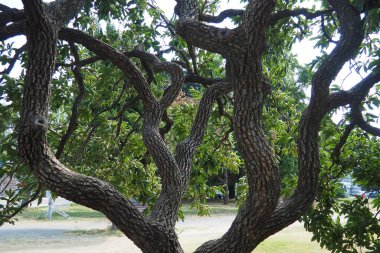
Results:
85 190
22 206
222 16
119 59
217 40
357 118
78 100
8 15
297 12
14 59
308 156
352 34
185 150
174 70
192 78
343 139
356 94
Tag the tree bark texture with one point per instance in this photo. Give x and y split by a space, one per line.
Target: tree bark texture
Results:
262 215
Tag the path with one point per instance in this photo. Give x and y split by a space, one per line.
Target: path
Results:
92 236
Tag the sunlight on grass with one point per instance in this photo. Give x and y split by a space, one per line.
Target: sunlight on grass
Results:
74 211
293 239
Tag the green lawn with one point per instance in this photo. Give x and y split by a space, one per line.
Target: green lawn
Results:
293 239
290 240
76 211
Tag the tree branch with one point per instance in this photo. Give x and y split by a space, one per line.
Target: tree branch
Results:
343 139
185 150
308 156
84 190
217 40
192 78
352 34
13 61
222 16
174 70
81 63
22 206
357 118
78 100
8 15
356 94
297 12
119 59
168 124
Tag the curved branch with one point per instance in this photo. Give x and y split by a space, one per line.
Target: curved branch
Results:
297 12
22 206
357 118
343 139
119 59
222 16
217 40
168 124
14 59
308 150
324 31
78 100
185 150
8 15
352 34
34 148
356 94
153 113
167 205
174 70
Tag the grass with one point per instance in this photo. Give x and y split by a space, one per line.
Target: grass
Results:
76 212
292 239
215 208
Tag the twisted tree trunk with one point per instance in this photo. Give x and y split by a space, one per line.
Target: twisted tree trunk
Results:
242 48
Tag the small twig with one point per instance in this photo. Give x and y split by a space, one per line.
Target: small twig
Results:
23 205
78 100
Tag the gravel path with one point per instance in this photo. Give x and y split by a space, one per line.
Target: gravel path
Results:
89 236
93 236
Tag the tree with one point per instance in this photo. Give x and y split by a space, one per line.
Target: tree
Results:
256 62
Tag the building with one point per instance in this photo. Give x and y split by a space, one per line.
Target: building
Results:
351 188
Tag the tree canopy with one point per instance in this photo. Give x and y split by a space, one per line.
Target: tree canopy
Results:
115 100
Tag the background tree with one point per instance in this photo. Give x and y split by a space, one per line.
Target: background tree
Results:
111 106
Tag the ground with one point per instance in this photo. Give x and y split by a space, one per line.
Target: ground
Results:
93 235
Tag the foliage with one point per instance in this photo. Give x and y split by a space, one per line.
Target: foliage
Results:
106 141
348 225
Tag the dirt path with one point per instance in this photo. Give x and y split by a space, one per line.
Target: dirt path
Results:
93 236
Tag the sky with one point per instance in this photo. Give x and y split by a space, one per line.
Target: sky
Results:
304 50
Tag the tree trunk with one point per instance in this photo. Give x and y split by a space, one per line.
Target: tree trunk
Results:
225 183
243 47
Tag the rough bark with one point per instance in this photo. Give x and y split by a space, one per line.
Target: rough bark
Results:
91 192
242 48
